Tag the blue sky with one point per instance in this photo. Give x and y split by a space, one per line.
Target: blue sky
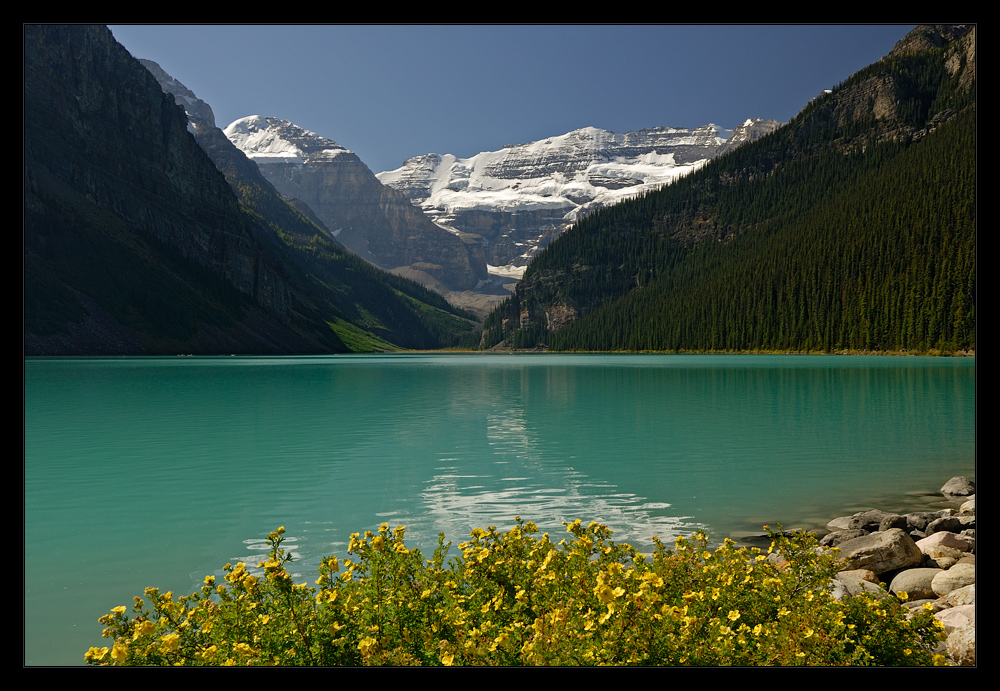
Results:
392 92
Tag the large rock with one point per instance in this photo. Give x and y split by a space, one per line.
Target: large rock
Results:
868 520
962 645
881 552
945 539
966 595
951 524
958 576
956 617
959 486
919 520
858 582
916 583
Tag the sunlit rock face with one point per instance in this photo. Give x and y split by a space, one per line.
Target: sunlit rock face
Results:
521 197
375 221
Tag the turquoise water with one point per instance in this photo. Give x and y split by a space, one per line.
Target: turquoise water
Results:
157 471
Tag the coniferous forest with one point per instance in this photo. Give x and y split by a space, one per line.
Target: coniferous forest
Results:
851 228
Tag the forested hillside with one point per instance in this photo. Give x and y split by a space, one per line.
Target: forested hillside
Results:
853 227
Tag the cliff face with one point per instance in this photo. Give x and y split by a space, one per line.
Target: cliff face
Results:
115 139
896 99
376 222
133 241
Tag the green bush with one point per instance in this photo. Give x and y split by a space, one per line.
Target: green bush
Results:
514 598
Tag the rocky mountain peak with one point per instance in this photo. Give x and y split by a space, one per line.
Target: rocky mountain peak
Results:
375 222
265 138
928 36
199 113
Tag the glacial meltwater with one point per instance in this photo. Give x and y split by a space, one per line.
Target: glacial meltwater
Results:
157 471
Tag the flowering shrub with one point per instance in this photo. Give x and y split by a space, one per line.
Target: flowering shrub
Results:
514 598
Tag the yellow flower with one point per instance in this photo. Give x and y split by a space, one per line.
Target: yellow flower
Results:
607 594
119 652
143 629
170 642
95 654
366 644
733 615
120 609
447 659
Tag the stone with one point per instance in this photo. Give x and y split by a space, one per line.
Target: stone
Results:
956 617
966 595
839 523
881 552
952 524
943 563
959 486
962 645
893 520
858 581
867 520
944 539
916 583
956 577
835 538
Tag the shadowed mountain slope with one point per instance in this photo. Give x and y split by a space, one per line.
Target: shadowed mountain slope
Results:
134 241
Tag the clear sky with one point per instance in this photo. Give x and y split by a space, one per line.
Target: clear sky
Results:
392 92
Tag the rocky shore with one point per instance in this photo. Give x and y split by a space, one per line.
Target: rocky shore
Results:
929 555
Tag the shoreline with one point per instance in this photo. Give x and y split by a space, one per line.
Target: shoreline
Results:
920 548
908 502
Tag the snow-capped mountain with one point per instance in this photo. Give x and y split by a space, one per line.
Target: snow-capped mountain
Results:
521 197
374 221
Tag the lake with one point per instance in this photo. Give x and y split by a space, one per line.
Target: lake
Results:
157 471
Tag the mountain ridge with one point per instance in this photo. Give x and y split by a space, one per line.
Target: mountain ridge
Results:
704 263
520 197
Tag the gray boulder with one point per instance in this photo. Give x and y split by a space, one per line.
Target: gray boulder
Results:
916 583
867 520
880 552
966 595
838 536
958 576
959 486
